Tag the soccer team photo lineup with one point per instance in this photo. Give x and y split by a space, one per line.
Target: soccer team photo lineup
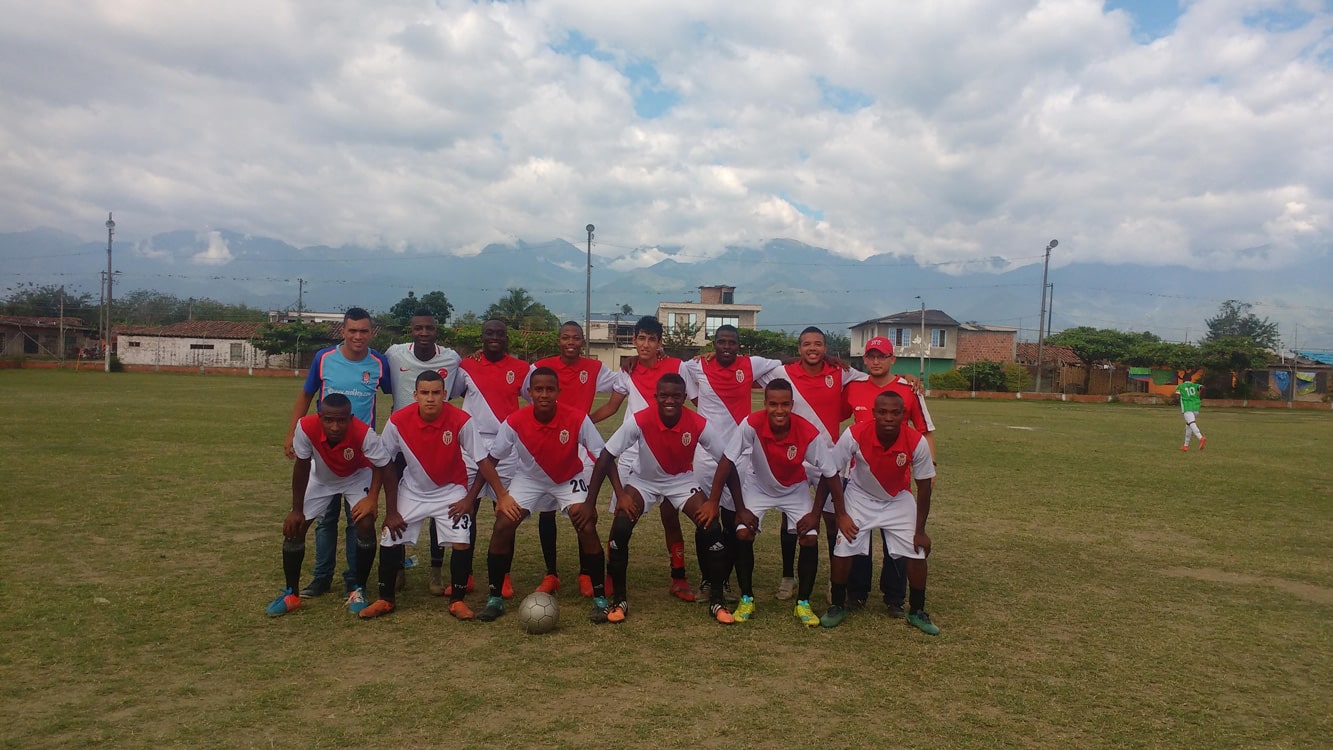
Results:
521 444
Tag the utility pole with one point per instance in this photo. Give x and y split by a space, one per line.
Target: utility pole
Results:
587 302
110 230
60 344
1041 319
300 299
1050 308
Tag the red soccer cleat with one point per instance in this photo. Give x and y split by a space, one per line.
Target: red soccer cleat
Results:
506 588
549 585
680 588
1202 443
585 586
460 610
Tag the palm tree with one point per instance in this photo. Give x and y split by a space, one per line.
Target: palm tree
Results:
518 309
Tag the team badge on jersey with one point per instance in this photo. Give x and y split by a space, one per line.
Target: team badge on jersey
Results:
828 381
791 453
509 377
444 372
902 459
740 376
349 454
686 438
564 437
583 376
448 437
365 377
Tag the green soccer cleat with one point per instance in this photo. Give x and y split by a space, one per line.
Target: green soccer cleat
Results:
833 617
286 602
495 607
921 621
805 614
744 610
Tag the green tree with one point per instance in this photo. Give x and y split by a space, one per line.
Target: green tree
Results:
838 345
1234 320
292 338
678 341
44 301
1185 359
468 318
400 315
771 344
519 310
1098 346
1017 379
1233 355
984 376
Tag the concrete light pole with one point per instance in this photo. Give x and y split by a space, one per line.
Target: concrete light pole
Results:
587 302
1041 319
110 230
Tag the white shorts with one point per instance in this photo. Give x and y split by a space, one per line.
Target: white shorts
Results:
506 472
1191 416
415 513
676 493
896 520
705 468
539 496
794 504
315 506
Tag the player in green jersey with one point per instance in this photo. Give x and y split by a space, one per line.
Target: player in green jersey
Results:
1189 406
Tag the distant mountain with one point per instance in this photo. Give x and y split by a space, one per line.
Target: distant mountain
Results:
797 284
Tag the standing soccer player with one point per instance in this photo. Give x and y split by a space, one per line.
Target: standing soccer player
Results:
638 385
859 403
581 379
774 449
817 396
356 371
406 362
724 383
491 385
548 444
338 458
1190 404
439 445
663 473
882 458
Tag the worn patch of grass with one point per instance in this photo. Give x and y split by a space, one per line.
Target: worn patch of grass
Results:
1095 586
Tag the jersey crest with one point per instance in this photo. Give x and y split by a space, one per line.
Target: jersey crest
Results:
349 454
828 381
448 437
509 377
684 439
365 377
583 376
740 377
564 436
791 453
902 459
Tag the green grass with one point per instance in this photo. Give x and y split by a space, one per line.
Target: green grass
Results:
1095 587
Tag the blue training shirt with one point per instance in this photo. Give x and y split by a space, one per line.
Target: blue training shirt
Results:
331 372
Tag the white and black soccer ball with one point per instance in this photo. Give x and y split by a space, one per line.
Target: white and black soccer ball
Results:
539 613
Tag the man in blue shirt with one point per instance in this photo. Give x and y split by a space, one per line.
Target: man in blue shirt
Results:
356 371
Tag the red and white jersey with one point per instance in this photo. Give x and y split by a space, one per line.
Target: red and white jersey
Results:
774 464
405 367
640 385
441 454
580 382
817 397
547 451
340 468
858 402
726 393
881 472
491 391
670 450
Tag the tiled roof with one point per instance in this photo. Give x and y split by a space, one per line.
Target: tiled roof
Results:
195 329
41 322
909 318
1026 353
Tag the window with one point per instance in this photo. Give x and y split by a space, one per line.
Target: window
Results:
685 319
133 344
712 322
237 352
201 346
937 338
900 336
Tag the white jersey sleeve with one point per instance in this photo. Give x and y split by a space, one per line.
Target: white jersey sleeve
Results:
713 441
626 436
844 450
301 444
742 440
391 439
590 438
527 382
502 444
374 450
471 447
620 383
923 466
819 455
851 375
606 379
764 369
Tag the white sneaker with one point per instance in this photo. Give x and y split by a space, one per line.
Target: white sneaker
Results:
786 588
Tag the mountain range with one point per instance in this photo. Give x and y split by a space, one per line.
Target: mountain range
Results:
797 284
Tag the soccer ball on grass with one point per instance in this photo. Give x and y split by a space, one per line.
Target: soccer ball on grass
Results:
539 613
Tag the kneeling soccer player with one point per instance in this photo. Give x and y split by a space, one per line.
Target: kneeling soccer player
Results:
663 471
775 451
336 455
884 456
438 442
546 442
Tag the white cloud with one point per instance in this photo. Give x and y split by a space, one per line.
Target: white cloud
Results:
979 128
216 254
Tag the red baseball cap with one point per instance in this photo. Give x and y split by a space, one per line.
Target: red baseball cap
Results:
881 345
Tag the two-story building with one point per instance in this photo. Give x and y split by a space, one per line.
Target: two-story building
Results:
716 307
920 339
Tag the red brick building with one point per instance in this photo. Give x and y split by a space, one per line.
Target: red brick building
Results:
978 343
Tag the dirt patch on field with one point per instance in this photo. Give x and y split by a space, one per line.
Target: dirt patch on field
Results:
1306 591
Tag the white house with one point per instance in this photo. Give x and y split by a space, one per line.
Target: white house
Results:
195 343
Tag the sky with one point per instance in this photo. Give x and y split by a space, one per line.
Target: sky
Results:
1190 134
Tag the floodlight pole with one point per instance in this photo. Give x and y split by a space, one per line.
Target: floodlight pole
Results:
587 302
110 230
1041 319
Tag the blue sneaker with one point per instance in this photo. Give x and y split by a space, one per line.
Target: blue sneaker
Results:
600 606
286 602
495 607
356 601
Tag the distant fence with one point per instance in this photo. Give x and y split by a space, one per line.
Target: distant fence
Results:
1129 398
97 365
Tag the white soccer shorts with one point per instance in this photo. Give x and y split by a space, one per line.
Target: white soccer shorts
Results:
416 512
896 520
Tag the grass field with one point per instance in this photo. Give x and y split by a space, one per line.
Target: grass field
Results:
1096 587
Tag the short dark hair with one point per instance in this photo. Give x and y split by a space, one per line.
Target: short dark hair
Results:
423 313
673 378
545 372
726 328
778 384
356 313
429 376
568 323
889 394
813 329
648 324
335 401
